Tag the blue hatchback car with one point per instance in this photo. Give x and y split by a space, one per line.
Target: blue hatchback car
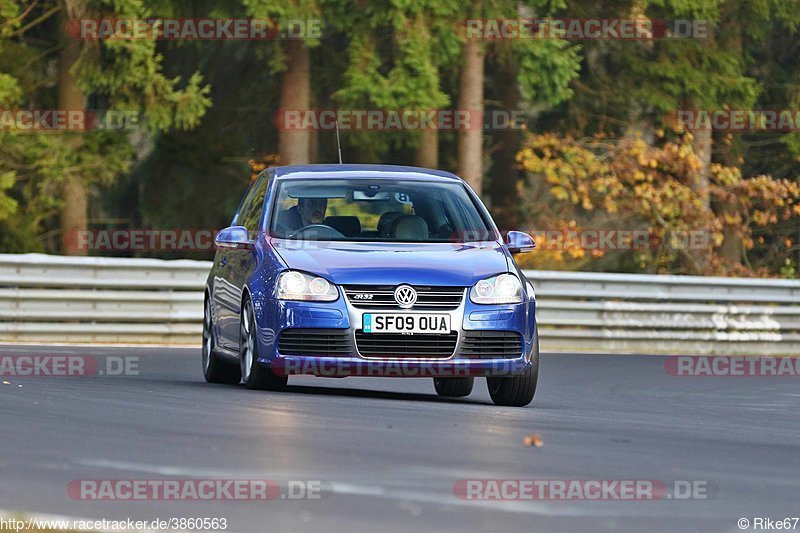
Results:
370 270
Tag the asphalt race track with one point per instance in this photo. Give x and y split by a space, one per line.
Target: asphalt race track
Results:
390 451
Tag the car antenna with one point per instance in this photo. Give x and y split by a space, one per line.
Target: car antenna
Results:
338 142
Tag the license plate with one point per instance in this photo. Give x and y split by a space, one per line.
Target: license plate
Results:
405 323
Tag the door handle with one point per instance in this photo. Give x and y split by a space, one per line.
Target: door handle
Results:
224 261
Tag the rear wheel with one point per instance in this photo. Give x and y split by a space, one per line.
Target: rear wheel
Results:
215 370
254 374
517 391
453 387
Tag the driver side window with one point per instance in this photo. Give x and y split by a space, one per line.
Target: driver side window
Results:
251 216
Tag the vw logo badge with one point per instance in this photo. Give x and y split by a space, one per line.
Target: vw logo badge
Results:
405 296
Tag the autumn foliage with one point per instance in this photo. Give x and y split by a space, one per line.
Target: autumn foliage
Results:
630 184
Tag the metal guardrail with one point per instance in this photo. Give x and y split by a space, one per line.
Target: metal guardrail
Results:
46 298
109 300
667 314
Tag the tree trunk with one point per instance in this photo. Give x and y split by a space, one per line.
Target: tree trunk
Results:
74 213
505 174
730 37
700 260
702 145
427 154
294 146
470 100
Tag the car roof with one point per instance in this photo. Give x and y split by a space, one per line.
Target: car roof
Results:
336 171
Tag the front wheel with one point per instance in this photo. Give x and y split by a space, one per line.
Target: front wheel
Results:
453 387
215 370
254 374
517 391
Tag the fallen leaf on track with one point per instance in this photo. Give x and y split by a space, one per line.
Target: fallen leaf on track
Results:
533 440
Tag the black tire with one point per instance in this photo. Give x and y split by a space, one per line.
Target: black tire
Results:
453 387
517 391
216 370
254 374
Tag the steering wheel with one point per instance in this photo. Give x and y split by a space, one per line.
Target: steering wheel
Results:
322 230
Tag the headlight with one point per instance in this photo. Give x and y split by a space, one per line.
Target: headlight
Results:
502 289
293 285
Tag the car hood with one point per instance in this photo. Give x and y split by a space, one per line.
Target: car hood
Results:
354 263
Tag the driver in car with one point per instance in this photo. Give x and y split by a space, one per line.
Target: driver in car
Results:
307 211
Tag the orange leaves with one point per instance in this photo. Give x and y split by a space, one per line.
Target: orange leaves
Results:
533 440
604 184
257 166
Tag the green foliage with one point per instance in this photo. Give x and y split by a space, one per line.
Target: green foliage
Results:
280 13
282 10
689 71
124 74
8 205
546 70
129 73
10 91
394 55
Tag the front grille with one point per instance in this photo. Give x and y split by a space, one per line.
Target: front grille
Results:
315 342
382 297
491 344
398 345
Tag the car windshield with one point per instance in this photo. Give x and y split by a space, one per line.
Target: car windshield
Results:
377 210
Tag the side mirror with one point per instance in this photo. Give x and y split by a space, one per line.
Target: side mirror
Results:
519 242
234 237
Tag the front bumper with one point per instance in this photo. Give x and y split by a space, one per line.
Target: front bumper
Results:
274 316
